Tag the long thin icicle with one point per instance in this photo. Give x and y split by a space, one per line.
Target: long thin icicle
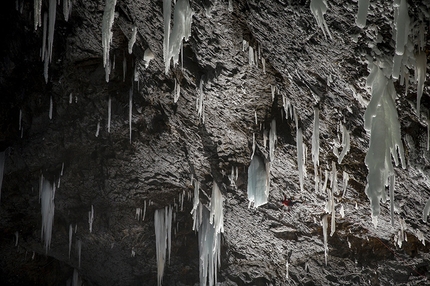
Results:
300 158
163 226
48 209
316 146
107 22
130 104
109 112
37 13
167 13
51 28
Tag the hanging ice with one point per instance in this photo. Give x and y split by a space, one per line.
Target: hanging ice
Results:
109 112
132 39
163 226
48 209
391 188
324 227
91 218
130 110
401 22
426 211
345 143
300 159
107 22
176 92
420 76
363 7
272 140
79 244
381 121
182 19
50 107
316 146
345 179
70 238
67 9
196 206
217 215
318 9
51 28
258 182
98 129
37 13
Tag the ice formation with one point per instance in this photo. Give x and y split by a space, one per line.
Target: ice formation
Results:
258 182
363 7
51 28
91 218
67 9
251 56
345 144
163 227
381 121
50 107
420 76
345 179
318 9
401 22
132 39
130 110
324 227
426 211
148 55
272 140
37 13
176 92
98 129
182 18
300 159
391 188
107 22
217 215
2 159
47 196
316 146
79 244
109 112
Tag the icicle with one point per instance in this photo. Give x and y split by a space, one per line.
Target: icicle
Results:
20 119
230 6
107 22
48 209
253 145
342 212
392 182
70 238
67 9
199 103
272 140
167 13
177 92
16 238
263 63
50 107
109 112
324 227
300 158
144 210
345 182
37 13
52 14
91 218
318 9
124 68
251 56
132 39
426 211
196 206
333 216
216 217
363 7
316 146
162 224
420 237
98 129
130 104
420 76
258 187
345 143
402 27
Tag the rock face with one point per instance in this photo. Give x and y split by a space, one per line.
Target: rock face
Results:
245 64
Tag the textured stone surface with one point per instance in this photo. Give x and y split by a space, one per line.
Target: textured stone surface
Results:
171 145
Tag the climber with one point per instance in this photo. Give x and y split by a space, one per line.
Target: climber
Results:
289 202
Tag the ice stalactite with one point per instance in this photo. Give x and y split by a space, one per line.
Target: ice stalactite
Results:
182 19
132 39
251 56
345 179
420 237
196 211
91 218
230 6
210 230
51 27
381 121
67 9
420 76
48 209
363 7
200 102
79 246
318 9
316 146
258 182
324 227
176 92
401 23
37 13
107 22
2 160
392 179
163 227
426 210
70 238
98 129
76 280
272 140
124 68
300 159
50 107
345 143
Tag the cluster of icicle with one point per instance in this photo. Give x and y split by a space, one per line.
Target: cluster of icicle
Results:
163 238
209 222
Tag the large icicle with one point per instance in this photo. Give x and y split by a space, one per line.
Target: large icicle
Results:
381 121
324 227
258 182
107 22
401 23
67 9
318 9
91 218
163 226
132 39
48 209
217 215
316 146
272 140
167 13
363 7
345 144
